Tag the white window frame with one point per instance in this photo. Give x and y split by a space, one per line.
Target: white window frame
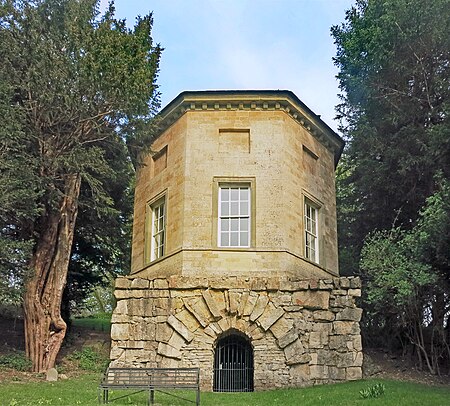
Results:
311 227
236 218
158 229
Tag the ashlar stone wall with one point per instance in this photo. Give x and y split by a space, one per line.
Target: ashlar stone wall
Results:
303 332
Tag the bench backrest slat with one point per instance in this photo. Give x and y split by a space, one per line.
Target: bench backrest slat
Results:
152 376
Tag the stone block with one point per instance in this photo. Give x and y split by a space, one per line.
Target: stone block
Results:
326 284
270 316
219 299
116 352
122 283
211 303
119 318
258 284
353 373
120 332
163 332
188 320
323 315
51 375
288 338
291 286
345 282
358 359
177 323
121 307
168 351
338 343
318 339
350 314
354 292
176 341
312 299
319 372
355 283
139 283
346 359
224 324
243 303
293 353
136 307
160 284
197 307
299 374
121 294
337 374
260 306
251 301
322 327
346 327
234 299
357 343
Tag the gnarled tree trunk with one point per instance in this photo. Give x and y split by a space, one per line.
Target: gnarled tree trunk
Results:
44 327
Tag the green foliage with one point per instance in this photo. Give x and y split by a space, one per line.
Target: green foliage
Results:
408 275
90 359
394 67
374 391
78 95
15 360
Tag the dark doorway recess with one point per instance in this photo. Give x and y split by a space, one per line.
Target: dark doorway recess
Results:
233 364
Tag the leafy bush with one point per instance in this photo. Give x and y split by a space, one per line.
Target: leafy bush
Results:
15 360
374 391
90 359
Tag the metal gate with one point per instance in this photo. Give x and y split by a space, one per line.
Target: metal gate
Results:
233 365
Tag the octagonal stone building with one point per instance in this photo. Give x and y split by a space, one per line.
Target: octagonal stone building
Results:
234 253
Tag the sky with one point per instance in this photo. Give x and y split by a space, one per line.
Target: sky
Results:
245 44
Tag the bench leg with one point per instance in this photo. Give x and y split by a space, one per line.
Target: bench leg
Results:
151 397
197 399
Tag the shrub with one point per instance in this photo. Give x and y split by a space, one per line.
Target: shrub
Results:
89 359
15 360
374 391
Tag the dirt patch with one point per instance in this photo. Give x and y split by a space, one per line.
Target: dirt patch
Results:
378 363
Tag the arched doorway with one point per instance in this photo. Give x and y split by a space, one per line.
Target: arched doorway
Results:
233 364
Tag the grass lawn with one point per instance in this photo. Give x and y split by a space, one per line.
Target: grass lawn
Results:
93 323
83 391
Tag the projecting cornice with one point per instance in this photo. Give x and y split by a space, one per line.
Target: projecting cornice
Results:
283 100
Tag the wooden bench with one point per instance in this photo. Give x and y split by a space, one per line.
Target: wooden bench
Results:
150 379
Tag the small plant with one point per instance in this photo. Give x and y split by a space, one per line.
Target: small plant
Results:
374 391
89 359
15 360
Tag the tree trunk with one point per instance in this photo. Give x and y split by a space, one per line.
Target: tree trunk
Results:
44 327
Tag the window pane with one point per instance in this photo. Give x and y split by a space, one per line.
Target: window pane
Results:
224 239
243 224
243 193
244 239
224 224
224 194
235 194
234 241
234 224
224 209
244 208
234 208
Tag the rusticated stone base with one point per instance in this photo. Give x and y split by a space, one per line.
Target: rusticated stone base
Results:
303 332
